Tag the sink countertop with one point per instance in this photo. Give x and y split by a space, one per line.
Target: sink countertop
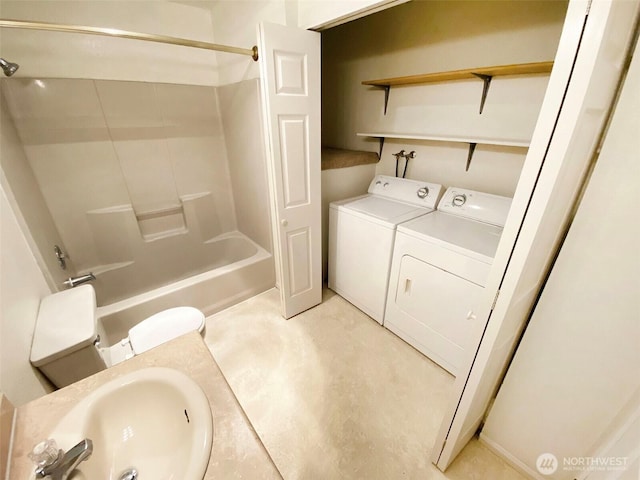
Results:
236 451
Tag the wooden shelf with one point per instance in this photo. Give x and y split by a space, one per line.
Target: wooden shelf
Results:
471 141
517 69
483 73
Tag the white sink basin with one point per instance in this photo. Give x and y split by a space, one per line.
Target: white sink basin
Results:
156 420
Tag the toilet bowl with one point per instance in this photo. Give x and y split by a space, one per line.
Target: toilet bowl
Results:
67 346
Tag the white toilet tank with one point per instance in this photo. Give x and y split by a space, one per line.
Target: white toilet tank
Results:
63 340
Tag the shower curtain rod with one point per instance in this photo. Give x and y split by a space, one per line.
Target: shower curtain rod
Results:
114 32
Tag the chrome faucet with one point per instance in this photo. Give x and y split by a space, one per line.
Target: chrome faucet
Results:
62 466
75 281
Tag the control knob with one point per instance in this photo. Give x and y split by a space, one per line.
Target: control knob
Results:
459 200
423 192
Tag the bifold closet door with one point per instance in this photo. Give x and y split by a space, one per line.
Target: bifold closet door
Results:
290 76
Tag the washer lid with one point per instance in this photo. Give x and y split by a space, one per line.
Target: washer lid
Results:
383 208
388 213
468 237
66 323
165 326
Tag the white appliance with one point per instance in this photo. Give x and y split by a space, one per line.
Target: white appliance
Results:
440 265
361 235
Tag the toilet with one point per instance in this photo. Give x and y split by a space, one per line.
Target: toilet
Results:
66 341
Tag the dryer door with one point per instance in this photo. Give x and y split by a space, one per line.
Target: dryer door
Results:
433 312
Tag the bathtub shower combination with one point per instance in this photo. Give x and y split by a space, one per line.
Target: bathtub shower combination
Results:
145 184
246 270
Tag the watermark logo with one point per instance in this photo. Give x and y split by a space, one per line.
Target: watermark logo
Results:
547 464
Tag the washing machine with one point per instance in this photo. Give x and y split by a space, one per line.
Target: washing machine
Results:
361 236
439 269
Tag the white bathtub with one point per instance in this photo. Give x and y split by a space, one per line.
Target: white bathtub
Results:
250 272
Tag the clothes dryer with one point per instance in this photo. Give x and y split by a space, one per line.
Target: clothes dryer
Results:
440 266
361 236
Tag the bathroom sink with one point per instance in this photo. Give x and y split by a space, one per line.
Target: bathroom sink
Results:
154 420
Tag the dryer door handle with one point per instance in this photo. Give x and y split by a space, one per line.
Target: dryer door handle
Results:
407 286
471 315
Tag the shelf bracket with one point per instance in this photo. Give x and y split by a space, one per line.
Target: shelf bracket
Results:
387 89
485 88
472 148
381 140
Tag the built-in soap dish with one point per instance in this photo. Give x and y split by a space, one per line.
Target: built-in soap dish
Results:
162 223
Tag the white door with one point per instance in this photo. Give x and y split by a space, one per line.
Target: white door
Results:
591 54
290 78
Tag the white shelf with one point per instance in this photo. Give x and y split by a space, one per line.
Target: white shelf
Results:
471 141
440 138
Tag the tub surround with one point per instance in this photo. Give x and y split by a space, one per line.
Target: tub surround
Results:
236 452
210 292
239 107
91 144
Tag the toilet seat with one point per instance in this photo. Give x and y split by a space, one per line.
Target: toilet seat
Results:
164 326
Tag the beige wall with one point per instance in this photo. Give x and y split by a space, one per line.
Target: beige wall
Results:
236 23
423 37
21 288
62 55
24 194
22 283
240 113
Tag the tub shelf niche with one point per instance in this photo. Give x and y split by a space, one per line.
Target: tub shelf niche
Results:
161 223
195 215
115 229
100 269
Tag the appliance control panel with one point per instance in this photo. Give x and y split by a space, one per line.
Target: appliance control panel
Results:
484 207
415 192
